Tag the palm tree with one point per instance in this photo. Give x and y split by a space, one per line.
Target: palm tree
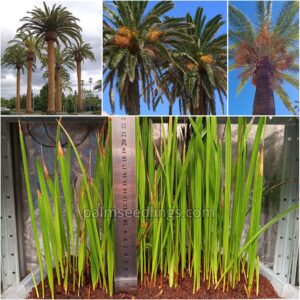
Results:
24 38
98 85
52 26
136 45
14 58
62 62
80 52
62 76
62 83
201 69
266 53
66 85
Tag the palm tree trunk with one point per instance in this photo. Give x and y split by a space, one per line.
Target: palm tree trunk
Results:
18 104
80 100
264 95
58 101
191 107
51 78
170 109
200 109
29 87
133 103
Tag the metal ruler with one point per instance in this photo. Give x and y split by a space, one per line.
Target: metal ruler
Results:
124 187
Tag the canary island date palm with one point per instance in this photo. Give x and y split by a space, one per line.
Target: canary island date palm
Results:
62 62
24 38
137 43
200 70
52 25
62 84
80 52
266 52
14 57
98 85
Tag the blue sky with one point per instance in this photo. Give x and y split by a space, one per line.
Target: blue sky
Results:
211 9
242 104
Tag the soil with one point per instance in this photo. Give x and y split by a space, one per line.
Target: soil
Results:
184 291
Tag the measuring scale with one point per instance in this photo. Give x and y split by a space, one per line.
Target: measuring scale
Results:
124 188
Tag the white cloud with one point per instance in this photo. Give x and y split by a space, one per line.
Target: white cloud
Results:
90 15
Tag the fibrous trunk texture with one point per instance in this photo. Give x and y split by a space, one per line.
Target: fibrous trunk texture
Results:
199 108
51 78
131 96
171 109
18 104
264 95
58 100
80 100
29 88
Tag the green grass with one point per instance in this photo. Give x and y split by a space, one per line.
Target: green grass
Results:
197 196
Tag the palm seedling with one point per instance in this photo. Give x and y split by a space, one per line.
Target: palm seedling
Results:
80 52
195 217
266 53
194 197
137 43
52 25
32 47
77 246
201 68
14 58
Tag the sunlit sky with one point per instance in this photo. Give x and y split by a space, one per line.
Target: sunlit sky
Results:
90 15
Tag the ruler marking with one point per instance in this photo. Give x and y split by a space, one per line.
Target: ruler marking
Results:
124 178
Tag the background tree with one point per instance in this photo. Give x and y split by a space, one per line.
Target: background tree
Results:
266 53
52 25
70 103
41 102
136 44
9 103
80 52
25 39
14 58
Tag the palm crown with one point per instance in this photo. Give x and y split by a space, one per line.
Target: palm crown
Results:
62 58
55 23
27 40
14 57
274 45
136 44
81 51
98 85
